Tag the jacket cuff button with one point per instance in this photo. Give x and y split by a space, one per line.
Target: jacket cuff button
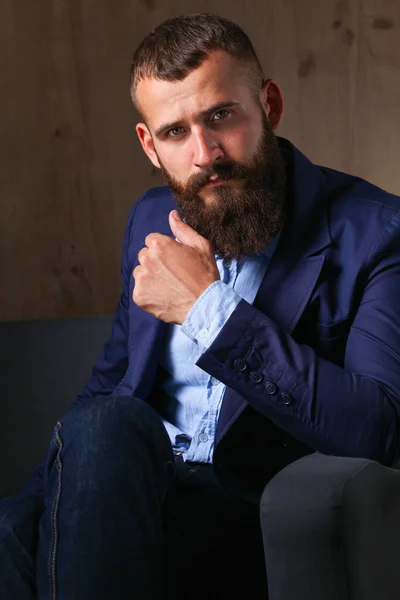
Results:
285 398
270 388
256 377
240 365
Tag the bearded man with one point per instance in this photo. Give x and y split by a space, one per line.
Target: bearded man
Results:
257 334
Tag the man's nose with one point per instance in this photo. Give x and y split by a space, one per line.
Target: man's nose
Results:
206 149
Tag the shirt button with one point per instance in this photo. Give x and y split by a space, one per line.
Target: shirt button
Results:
285 398
227 262
214 381
240 365
203 333
270 388
203 437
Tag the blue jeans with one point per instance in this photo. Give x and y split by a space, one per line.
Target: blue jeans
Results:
122 517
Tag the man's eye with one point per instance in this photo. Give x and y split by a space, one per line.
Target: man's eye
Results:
174 132
220 114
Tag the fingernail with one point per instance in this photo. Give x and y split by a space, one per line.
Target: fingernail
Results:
176 215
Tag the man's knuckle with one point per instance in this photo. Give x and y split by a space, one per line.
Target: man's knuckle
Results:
154 240
157 243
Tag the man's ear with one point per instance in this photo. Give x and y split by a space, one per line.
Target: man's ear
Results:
146 140
271 100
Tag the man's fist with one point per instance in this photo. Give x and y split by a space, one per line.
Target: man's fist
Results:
172 275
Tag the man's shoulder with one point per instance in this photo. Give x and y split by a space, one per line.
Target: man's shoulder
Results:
349 198
360 213
150 211
355 191
148 215
154 203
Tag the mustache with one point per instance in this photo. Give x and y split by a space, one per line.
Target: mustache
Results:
224 171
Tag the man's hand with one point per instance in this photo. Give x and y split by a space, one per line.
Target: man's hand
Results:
171 276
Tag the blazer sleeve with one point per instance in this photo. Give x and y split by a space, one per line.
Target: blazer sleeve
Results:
351 411
112 363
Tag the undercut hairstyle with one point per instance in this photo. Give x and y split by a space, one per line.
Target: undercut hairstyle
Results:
179 45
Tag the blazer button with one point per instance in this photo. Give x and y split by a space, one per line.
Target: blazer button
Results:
270 388
256 377
240 365
285 398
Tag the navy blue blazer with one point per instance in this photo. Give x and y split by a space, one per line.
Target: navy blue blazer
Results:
314 363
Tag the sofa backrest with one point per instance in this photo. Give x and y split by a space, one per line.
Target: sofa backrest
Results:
43 365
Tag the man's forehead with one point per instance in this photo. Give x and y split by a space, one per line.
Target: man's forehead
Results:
199 91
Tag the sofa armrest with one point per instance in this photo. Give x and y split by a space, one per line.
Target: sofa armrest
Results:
333 524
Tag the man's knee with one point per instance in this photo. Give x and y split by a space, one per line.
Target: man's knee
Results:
112 416
305 497
115 430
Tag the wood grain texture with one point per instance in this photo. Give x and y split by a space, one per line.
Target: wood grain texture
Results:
71 167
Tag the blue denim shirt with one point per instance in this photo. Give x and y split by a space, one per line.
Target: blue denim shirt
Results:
193 399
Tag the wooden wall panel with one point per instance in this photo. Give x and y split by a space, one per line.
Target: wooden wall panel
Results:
70 164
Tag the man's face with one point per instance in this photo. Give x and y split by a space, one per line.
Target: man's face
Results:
218 153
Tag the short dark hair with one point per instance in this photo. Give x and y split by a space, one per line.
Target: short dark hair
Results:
179 45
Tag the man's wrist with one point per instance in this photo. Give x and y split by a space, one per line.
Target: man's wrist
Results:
209 313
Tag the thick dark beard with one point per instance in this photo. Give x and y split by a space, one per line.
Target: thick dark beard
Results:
238 222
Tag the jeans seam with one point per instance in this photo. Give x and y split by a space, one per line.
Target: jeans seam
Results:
53 545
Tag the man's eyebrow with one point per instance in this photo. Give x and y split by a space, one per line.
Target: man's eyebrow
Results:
205 113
